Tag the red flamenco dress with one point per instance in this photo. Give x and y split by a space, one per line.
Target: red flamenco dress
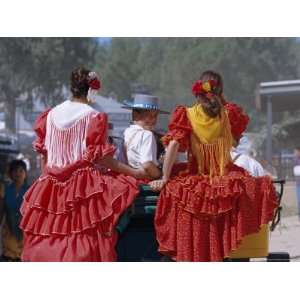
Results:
70 212
204 211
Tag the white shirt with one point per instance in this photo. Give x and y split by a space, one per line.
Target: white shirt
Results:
140 146
248 163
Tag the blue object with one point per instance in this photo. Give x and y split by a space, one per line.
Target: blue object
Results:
12 205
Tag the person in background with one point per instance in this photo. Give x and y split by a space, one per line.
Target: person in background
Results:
1 218
241 158
118 142
139 140
269 169
297 175
12 237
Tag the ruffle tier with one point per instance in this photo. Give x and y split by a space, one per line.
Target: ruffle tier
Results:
87 199
199 220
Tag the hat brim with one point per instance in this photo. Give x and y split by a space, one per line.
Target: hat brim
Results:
144 108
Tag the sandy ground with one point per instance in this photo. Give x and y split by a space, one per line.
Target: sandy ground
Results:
286 236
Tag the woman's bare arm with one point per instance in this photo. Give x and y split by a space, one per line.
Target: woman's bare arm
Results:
170 158
169 161
117 166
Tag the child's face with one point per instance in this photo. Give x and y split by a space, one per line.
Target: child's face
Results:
18 175
149 119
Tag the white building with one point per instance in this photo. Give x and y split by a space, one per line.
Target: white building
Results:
118 116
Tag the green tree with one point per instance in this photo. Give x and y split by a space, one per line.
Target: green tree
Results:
167 67
39 68
119 67
243 62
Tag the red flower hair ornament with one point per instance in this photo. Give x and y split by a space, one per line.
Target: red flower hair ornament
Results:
238 119
206 88
93 81
94 86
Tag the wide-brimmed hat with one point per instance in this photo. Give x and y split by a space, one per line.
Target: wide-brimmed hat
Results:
144 102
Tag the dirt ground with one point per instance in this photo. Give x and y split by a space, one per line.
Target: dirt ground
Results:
286 237
289 200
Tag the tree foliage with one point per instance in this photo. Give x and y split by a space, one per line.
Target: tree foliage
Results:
167 67
39 68
32 68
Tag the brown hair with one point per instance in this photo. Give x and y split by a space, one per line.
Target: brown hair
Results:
212 106
138 114
79 82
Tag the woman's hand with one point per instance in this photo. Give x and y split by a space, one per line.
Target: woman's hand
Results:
117 166
139 173
157 185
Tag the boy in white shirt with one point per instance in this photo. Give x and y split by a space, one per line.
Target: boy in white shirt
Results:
139 140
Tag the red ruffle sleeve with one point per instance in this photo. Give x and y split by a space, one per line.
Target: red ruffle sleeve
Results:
179 129
40 129
238 119
97 145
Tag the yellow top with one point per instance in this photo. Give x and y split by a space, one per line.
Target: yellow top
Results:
211 140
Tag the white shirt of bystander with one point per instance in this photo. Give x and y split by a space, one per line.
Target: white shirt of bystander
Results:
140 146
247 162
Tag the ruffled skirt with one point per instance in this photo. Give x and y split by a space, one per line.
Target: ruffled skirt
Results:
198 219
70 214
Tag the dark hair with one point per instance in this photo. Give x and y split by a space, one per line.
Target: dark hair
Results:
15 164
79 82
212 105
138 113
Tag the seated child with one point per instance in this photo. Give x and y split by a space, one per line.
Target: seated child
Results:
139 140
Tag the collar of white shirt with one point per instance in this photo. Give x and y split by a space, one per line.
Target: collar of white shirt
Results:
136 126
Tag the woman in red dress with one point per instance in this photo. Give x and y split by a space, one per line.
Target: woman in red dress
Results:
70 212
204 211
